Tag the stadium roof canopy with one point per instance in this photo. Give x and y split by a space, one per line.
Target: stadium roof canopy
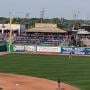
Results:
82 31
85 25
49 28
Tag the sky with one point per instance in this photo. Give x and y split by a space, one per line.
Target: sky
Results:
69 9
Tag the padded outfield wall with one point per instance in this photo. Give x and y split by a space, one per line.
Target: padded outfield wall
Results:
52 49
30 48
3 48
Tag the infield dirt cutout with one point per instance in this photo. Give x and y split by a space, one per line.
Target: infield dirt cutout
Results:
21 82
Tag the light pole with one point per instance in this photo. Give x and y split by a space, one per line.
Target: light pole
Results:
10 37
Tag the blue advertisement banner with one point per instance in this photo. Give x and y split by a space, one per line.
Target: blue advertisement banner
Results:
66 50
73 50
79 50
87 51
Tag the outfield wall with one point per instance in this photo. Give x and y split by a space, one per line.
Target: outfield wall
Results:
52 49
19 48
3 48
28 48
74 50
48 49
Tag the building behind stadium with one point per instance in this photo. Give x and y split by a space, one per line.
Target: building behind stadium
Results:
16 28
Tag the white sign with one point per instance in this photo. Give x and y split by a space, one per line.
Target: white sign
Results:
30 48
48 49
19 48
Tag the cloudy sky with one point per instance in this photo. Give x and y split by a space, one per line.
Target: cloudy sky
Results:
52 8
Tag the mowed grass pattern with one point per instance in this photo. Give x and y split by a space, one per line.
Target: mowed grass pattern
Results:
75 72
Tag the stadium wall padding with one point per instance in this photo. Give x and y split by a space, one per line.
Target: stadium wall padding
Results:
29 48
9 48
75 50
87 51
48 49
53 49
19 48
32 48
3 48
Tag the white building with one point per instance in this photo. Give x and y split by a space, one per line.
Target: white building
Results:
16 29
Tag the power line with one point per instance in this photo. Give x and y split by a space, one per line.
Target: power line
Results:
27 15
42 14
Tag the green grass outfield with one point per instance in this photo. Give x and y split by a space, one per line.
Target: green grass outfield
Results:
75 72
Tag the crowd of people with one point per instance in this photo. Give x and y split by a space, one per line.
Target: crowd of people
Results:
41 39
49 39
2 41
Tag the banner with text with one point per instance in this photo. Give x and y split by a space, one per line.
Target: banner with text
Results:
73 50
87 51
66 50
79 50
48 49
30 48
19 48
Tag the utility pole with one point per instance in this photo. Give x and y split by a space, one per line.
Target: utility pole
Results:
27 16
42 15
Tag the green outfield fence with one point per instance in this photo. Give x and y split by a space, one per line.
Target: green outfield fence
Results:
3 48
47 49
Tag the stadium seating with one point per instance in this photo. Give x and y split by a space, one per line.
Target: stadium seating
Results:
86 41
2 41
40 39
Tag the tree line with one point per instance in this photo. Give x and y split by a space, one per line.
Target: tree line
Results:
61 22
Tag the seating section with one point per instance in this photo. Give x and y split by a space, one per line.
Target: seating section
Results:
86 41
2 41
41 39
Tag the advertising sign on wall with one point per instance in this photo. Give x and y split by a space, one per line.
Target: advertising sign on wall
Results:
30 48
87 51
19 48
79 50
48 49
66 50
75 50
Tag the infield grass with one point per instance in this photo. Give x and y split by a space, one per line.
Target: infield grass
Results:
75 72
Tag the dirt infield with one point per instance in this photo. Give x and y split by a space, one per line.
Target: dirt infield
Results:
18 82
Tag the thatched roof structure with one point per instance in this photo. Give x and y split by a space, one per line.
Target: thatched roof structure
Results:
49 28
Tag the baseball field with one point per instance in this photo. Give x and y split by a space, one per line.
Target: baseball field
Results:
75 71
